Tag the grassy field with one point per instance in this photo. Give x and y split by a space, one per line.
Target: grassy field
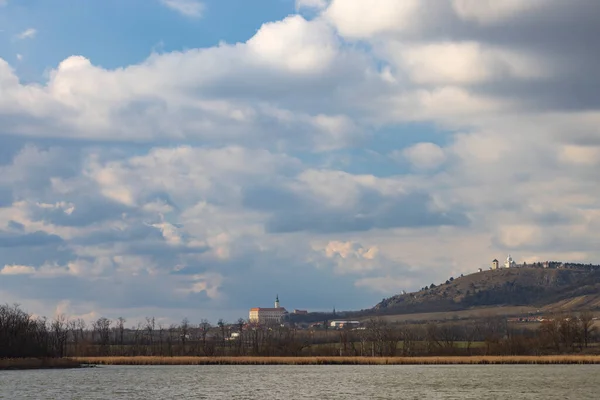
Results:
569 359
481 312
37 363
474 313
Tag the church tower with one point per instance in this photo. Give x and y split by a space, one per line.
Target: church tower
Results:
509 263
277 301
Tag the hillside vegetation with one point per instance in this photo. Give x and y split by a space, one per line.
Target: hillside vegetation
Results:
568 289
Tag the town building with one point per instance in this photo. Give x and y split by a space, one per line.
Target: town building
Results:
342 324
274 315
495 264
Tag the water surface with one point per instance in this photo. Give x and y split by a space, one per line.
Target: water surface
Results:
306 382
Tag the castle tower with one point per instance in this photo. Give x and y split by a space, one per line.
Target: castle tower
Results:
495 264
277 301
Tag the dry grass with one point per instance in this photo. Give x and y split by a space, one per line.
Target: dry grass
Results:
38 363
570 359
474 313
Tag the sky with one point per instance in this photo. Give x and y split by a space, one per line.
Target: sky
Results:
194 158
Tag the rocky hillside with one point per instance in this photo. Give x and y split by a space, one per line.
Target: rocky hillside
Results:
580 288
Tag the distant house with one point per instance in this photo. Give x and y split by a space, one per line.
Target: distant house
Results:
300 312
342 324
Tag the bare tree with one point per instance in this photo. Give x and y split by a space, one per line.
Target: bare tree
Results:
161 333
184 334
222 326
60 332
239 344
549 333
568 330
409 337
73 332
586 321
102 329
470 332
149 330
204 330
171 338
492 329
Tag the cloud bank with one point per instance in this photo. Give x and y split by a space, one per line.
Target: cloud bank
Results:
370 148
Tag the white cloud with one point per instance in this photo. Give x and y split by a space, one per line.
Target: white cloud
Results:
425 155
360 19
493 11
209 283
277 150
466 63
294 44
580 155
189 8
65 207
27 34
349 249
351 257
81 100
17 270
311 4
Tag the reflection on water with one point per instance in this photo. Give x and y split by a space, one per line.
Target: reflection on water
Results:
296 382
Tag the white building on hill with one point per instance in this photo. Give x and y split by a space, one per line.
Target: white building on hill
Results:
509 263
268 315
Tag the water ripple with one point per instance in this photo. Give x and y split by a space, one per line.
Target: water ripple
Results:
305 382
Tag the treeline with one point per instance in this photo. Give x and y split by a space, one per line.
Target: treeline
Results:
561 264
23 336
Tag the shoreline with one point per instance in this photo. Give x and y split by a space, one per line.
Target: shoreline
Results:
90 362
12 364
458 360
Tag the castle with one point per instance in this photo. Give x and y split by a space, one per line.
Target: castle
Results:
268 315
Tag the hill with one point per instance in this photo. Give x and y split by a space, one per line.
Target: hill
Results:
568 289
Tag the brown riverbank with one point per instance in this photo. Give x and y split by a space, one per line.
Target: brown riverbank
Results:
38 363
568 359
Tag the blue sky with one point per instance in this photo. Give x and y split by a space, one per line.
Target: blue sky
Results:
186 158
115 33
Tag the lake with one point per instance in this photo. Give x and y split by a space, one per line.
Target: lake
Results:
306 382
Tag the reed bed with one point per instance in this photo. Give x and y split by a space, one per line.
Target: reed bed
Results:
38 363
567 359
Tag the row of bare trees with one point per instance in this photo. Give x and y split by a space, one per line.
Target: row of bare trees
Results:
485 336
22 335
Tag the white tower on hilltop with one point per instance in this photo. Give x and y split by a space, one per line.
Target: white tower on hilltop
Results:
510 263
277 301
